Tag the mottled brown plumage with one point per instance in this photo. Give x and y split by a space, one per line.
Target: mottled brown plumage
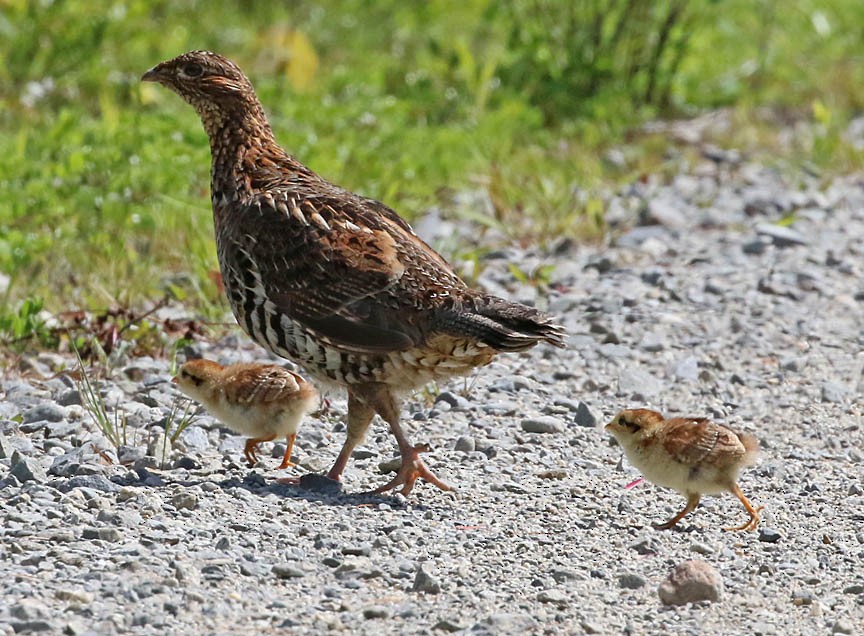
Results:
263 401
693 455
333 280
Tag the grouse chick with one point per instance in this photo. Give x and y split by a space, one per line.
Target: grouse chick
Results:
690 454
335 281
263 401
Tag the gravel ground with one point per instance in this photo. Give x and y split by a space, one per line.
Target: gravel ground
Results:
704 306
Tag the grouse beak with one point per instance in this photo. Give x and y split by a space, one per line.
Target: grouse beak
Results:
153 75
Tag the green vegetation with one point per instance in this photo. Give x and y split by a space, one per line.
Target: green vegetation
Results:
112 425
104 181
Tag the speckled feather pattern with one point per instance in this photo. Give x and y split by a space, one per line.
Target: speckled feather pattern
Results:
689 454
254 399
320 275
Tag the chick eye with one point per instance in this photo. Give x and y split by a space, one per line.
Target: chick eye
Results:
193 70
630 424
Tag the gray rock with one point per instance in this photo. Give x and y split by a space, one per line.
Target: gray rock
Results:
425 582
690 582
185 501
185 462
74 596
834 392
542 424
94 482
645 545
755 247
32 627
664 211
701 548
61 430
194 438
455 401
29 469
638 235
555 597
284 571
376 611
769 535
363 549
465 444
687 369
358 453
48 412
104 534
584 416
843 626
631 581
28 610
448 625
781 236
652 342
638 384
130 454
320 483
561 575
803 597
69 397
390 465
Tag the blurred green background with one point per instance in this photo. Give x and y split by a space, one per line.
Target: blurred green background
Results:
104 181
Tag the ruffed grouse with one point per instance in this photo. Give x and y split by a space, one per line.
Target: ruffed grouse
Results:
334 281
263 401
693 455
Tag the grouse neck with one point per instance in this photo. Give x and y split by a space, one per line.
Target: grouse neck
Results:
238 144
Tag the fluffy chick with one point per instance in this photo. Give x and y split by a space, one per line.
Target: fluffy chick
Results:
263 401
693 455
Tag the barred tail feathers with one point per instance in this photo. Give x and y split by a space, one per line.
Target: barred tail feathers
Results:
503 325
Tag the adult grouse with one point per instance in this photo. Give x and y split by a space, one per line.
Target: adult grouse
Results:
332 280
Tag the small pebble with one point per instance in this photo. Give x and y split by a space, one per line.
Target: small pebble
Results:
631 581
185 501
376 611
543 424
769 535
584 416
425 582
283 571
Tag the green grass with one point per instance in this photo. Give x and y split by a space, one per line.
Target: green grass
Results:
104 181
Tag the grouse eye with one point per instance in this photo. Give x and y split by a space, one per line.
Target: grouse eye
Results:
193 70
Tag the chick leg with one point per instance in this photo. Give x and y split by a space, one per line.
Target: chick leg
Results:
359 416
692 502
753 522
250 451
286 459
412 468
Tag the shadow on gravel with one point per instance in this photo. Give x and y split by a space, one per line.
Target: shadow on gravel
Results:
311 487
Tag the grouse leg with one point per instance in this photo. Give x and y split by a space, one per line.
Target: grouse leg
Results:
360 414
412 466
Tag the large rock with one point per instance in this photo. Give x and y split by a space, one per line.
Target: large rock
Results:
690 582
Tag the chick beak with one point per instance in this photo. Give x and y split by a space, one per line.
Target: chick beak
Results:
174 380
